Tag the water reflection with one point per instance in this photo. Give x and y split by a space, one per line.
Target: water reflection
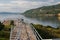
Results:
51 20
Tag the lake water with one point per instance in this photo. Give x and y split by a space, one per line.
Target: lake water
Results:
51 21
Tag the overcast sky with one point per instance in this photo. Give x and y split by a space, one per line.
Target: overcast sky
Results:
23 5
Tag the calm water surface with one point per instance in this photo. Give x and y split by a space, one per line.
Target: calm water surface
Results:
51 21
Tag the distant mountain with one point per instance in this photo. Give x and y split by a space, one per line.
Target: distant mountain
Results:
6 12
34 13
9 13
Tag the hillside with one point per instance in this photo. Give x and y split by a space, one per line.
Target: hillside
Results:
42 11
47 32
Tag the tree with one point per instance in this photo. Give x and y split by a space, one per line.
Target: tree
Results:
1 26
12 22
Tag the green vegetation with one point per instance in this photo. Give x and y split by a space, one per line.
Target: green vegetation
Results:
4 35
12 22
5 30
1 26
42 11
45 12
47 32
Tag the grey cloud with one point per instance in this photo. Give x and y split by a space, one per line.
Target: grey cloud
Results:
22 5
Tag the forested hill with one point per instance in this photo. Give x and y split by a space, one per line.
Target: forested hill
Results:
53 9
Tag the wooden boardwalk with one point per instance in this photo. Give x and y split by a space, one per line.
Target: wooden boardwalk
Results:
22 31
